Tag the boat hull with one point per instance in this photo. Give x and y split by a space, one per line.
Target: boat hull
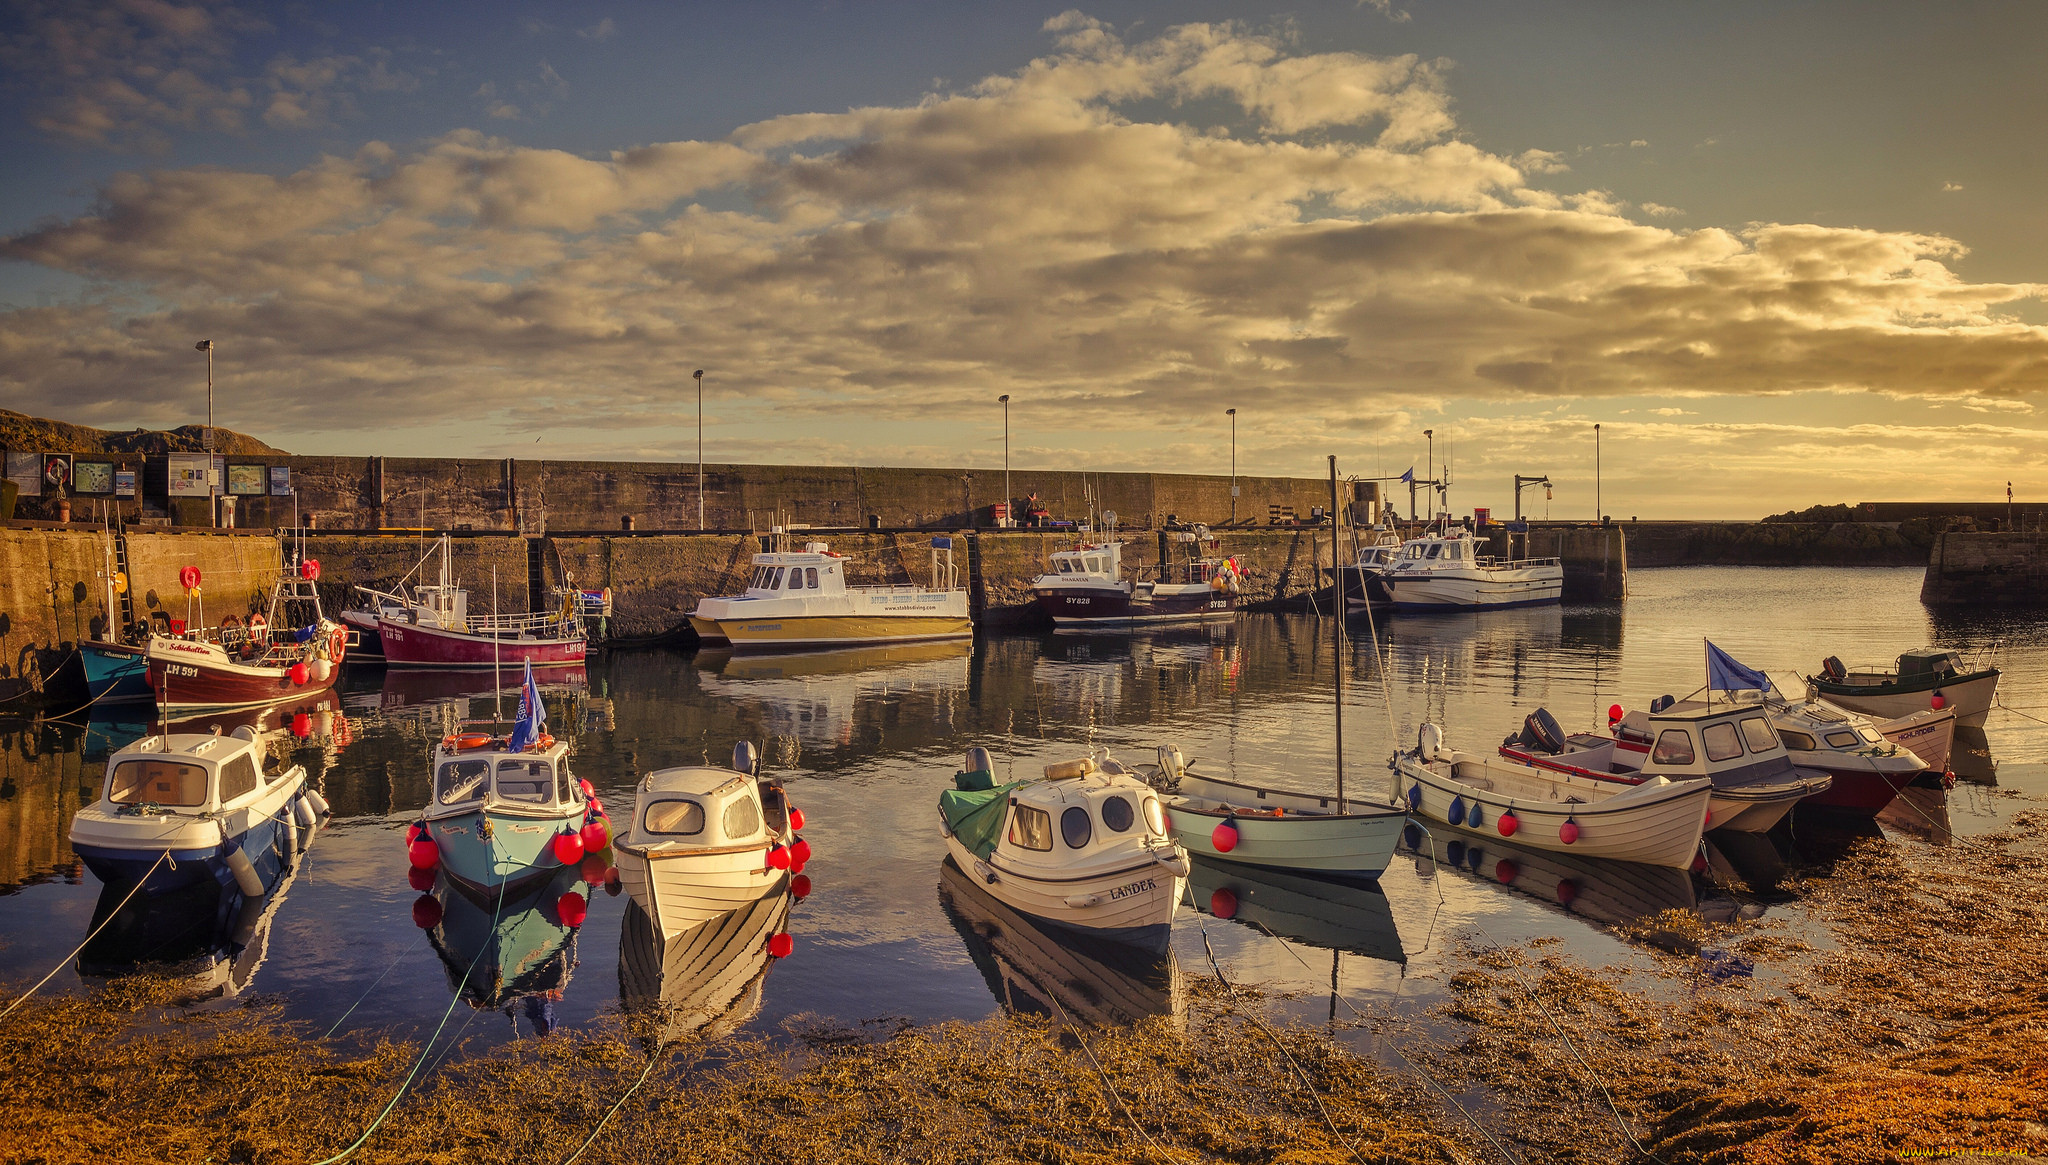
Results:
1970 696
778 633
191 677
682 888
1362 586
116 673
1929 735
1111 606
1132 904
708 631
417 645
1474 590
122 850
1307 834
487 853
1853 790
1660 830
369 645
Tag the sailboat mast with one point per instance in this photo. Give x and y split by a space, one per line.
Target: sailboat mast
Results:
1337 655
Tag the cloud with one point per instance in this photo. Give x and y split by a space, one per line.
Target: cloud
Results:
1948 187
1672 412
603 30
1659 210
1076 231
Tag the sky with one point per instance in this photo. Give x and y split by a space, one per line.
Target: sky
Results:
1781 254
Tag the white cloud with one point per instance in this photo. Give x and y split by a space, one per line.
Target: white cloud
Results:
603 30
1948 187
1659 210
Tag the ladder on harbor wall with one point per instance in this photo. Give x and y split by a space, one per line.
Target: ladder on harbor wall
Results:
977 595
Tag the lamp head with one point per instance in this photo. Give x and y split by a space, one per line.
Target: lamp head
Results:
699 374
1004 399
1229 412
203 346
1429 432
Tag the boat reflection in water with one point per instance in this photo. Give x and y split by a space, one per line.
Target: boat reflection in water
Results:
812 696
1061 975
210 939
1919 811
516 956
410 688
1334 915
1598 890
708 980
312 720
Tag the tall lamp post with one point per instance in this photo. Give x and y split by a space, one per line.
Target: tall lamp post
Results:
1009 499
1232 414
1430 489
206 441
1597 511
699 374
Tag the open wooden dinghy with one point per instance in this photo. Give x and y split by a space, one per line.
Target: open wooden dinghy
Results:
1279 829
1083 847
1657 822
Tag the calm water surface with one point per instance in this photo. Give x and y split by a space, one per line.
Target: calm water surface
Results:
864 744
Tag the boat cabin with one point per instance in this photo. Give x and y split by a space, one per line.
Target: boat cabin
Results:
1080 811
1447 550
1817 727
1731 740
811 572
188 774
700 807
1094 562
489 775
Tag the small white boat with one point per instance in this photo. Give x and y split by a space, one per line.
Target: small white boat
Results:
706 841
1930 678
1929 734
801 600
1084 847
1447 573
181 809
1280 829
1865 770
1657 822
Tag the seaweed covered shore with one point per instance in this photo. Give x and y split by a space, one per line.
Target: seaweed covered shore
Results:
1917 1029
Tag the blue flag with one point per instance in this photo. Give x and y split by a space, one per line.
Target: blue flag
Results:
533 717
1409 475
1726 674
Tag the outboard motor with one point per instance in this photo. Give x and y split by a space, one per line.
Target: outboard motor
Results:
745 759
1542 731
1832 668
1429 741
1661 703
978 761
1172 765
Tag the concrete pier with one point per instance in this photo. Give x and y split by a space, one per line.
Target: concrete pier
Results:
1995 568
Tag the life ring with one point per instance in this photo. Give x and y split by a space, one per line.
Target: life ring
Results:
337 644
188 577
229 622
467 741
259 628
310 570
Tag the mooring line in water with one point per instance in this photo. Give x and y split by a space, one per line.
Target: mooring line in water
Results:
2000 703
1106 1085
390 967
653 1058
406 1084
111 916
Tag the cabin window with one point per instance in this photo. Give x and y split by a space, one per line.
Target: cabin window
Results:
1797 741
162 782
1759 735
1030 828
811 577
775 583
237 778
741 819
1117 813
1095 564
1870 736
1155 817
682 818
1076 828
1674 747
530 782
1434 551
1842 739
562 784
461 780
1721 741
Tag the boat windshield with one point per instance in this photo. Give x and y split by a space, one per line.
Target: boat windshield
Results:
529 782
160 782
461 780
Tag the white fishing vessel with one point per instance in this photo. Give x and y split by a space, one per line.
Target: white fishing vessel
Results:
1084 586
705 841
1084 847
180 809
1657 822
800 599
1280 829
1446 572
1930 678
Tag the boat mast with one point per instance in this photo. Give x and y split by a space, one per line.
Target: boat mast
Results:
1337 656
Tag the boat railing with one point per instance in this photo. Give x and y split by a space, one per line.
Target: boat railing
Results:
500 626
1515 563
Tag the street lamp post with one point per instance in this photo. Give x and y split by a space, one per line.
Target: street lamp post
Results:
1596 472
699 374
1430 489
1232 413
1009 499
206 441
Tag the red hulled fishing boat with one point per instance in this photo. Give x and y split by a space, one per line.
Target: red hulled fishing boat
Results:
237 664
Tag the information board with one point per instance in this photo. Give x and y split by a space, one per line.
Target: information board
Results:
92 477
188 472
280 481
247 480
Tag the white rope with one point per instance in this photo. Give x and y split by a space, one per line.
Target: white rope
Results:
111 915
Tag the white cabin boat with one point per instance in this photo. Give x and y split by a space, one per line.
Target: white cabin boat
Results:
801 599
1084 586
1929 678
703 842
1657 822
1280 829
708 981
1084 847
1446 572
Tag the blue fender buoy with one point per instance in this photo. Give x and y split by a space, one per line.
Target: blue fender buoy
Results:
1415 796
1476 816
1457 814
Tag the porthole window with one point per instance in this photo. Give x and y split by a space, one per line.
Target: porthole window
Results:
1155 817
1075 827
1117 813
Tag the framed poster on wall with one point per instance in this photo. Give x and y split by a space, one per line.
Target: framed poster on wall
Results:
280 481
26 471
92 477
188 475
124 483
247 480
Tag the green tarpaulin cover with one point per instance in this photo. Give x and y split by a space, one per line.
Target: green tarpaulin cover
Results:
975 815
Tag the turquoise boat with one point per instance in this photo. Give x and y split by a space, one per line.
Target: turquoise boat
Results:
496 812
514 956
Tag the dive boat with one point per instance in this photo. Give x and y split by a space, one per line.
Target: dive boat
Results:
1446 572
1281 829
515 956
1112 872
505 812
801 599
1034 969
237 665
1362 581
181 809
1729 742
1931 678
1555 807
1865 771
705 841
1085 586
707 981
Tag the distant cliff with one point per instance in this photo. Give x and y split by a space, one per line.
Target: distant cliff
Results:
37 434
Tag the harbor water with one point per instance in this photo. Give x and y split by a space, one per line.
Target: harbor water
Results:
864 741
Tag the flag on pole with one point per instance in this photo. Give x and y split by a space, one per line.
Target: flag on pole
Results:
533 717
1726 674
1408 475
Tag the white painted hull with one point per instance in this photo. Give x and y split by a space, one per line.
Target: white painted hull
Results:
681 889
1130 902
1971 701
1656 825
1929 735
1308 834
1474 588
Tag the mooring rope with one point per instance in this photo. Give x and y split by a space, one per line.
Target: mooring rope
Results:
391 966
1106 1085
111 915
